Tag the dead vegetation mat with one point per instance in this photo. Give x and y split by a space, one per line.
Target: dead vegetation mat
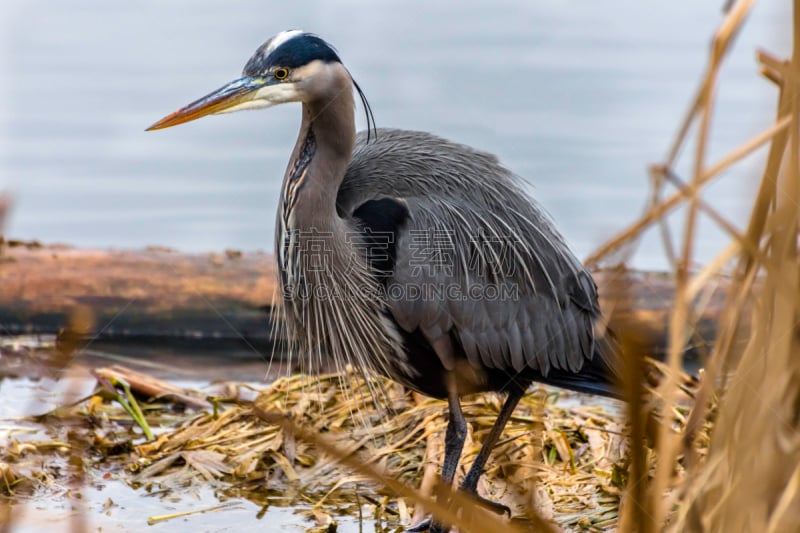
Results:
561 453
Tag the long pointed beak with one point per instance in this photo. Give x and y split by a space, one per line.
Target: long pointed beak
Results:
223 99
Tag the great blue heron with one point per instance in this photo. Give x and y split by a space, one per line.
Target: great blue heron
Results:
405 254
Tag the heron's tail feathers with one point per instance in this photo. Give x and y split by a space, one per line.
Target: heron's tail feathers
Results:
602 374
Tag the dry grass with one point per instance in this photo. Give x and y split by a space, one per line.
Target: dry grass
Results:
577 452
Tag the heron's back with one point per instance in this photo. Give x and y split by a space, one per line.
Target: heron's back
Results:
475 261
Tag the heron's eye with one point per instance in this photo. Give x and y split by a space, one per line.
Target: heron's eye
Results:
281 73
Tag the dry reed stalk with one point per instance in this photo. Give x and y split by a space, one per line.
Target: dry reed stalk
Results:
637 507
751 480
650 501
433 450
749 263
651 509
657 211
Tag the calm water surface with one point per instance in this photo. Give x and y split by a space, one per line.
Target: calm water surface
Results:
576 96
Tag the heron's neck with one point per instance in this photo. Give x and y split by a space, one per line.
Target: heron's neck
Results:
319 161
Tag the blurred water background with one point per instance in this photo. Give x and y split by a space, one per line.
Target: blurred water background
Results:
576 96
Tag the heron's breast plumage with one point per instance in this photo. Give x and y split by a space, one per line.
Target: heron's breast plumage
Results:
331 304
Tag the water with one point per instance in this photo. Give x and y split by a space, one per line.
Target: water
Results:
577 97
105 501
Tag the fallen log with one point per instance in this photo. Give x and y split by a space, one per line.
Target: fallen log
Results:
218 300
146 295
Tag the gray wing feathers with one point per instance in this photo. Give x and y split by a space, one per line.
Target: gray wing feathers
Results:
535 325
518 361
470 347
472 228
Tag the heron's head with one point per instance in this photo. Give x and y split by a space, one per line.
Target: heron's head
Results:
293 66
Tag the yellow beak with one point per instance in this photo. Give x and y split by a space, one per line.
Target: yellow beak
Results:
238 93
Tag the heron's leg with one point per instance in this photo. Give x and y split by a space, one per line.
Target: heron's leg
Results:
454 439
470 482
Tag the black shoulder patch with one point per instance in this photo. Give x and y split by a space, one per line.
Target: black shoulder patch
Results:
293 53
381 221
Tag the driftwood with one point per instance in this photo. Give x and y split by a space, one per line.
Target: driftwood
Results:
218 300
141 295
150 387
